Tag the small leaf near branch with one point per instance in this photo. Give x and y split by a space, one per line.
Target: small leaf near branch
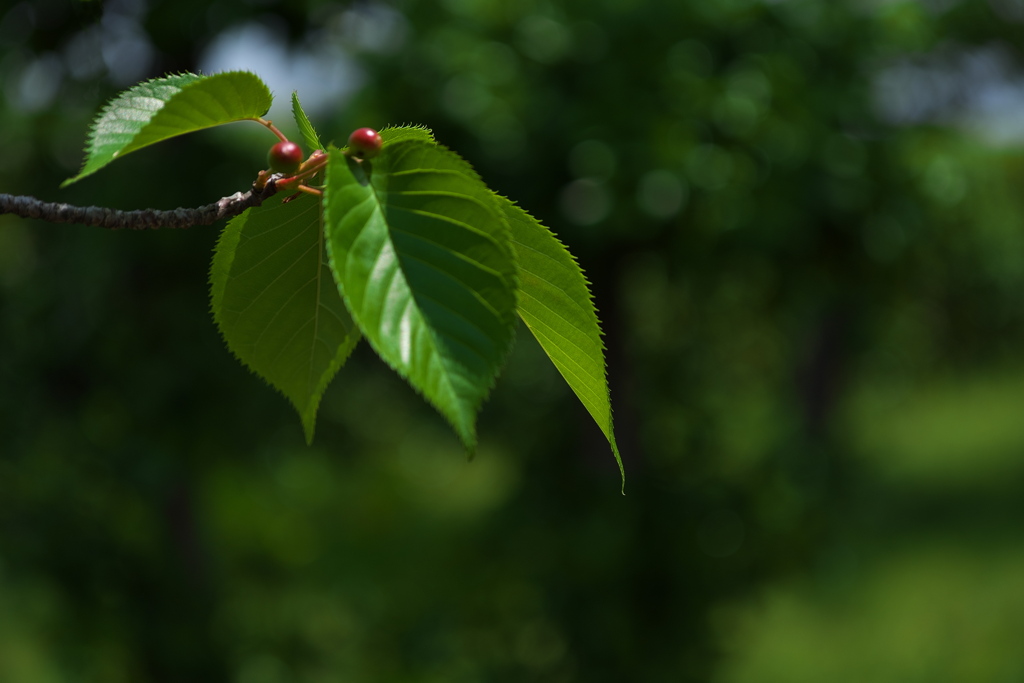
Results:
309 135
167 107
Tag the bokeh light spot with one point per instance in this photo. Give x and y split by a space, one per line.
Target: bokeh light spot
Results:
661 193
585 202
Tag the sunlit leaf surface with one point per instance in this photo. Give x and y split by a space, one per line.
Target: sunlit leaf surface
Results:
420 251
166 107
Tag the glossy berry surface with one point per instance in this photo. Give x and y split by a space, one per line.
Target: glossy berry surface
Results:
364 143
285 157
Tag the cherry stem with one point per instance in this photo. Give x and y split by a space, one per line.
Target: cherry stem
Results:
310 168
271 127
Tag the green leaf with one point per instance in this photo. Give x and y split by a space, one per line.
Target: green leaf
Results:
555 303
421 253
166 107
393 134
306 129
276 303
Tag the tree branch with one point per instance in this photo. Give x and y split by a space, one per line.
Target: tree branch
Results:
145 219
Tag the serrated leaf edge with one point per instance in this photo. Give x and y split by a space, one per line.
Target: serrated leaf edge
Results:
612 441
339 360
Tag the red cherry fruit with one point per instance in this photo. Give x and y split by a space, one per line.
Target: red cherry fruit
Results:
285 157
364 143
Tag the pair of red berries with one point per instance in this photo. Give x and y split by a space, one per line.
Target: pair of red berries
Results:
286 156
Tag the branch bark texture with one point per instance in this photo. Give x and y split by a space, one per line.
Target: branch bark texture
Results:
144 219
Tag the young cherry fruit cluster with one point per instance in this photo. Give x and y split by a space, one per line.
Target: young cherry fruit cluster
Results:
286 157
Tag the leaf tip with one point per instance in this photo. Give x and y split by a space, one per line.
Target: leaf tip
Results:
463 424
618 457
309 425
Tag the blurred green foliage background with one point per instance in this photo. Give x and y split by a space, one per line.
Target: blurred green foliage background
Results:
803 223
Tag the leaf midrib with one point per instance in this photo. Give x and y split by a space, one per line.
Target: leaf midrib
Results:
436 357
